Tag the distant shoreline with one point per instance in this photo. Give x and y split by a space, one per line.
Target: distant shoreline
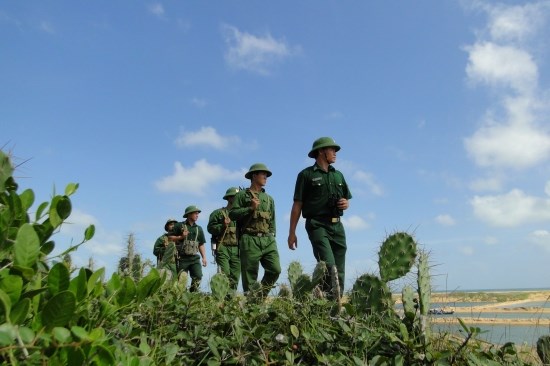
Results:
540 314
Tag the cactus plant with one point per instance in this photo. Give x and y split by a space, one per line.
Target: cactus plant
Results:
409 303
371 295
396 256
219 284
295 270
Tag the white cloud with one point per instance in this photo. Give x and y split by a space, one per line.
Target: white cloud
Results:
197 102
503 62
156 9
508 146
207 137
196 179
445 220
515 23
498 65
466 250
491 240
511 209
47 27
253 53
547 188
486 184
355 222
368 179
541 238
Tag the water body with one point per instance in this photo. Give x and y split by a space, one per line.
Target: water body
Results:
500 333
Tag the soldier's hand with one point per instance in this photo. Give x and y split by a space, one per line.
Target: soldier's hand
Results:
204 262
342 204
185 233
254 203
292 241
227 221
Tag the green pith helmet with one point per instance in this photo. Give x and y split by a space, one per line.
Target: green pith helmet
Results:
190 209
168 222
323 142
258 167
230 192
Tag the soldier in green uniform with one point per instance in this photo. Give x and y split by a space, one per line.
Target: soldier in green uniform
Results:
191 244
321 195
224 240
161 245
254 212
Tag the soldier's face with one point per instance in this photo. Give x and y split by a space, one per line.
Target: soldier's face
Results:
193 216
260 178
330 154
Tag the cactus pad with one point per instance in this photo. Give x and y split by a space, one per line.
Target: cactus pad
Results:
396 256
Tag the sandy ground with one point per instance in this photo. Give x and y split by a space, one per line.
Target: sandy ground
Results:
540 316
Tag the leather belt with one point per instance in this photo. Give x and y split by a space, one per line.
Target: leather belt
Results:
328 220
260 234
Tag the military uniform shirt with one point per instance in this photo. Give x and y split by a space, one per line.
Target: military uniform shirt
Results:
241 210
315 187
195 231
216 227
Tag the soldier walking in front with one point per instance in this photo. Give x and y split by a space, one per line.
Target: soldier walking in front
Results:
321 195
254 211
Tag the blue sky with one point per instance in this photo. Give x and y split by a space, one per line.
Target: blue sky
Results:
441 109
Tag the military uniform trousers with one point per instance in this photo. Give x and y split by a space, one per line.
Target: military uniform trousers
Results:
192 265
255 250
328 241
229 263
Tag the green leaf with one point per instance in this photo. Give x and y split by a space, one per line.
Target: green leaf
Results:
61 334
213 345
80 333
103 356
75 356
7 334
59 310
12 285
58 278
170 350
60 209
40 210
27 334
27 199
294 330
89 233
27 247
127 292
6 304
97 334
94 278
47 247
148 285
20 311
71 188
79 285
